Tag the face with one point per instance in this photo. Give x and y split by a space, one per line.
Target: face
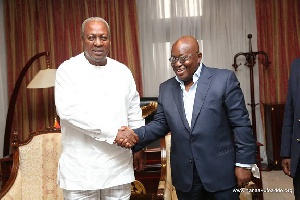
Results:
96 42
186 59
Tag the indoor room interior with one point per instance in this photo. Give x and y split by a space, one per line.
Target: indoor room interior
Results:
258 40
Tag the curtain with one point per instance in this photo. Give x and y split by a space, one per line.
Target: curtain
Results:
221 27
278 27
34 26
278 24
3 78
161 23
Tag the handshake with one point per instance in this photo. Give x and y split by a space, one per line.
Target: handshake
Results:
126 137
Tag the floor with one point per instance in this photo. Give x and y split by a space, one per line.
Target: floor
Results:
281 185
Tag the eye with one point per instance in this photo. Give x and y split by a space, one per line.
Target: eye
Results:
182 59
173 59
91 38
104 37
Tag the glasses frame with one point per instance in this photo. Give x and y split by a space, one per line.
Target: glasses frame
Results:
181 59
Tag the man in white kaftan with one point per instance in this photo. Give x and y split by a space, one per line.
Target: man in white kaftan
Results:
95 96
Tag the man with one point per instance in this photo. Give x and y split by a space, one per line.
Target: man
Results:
212 146
95 95
290 138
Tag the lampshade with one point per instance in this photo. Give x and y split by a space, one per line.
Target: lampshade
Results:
44 79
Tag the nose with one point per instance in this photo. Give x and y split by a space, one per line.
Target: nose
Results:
177 64
98 41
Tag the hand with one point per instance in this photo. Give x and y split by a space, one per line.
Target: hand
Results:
126 137
243 176
286 166
139 160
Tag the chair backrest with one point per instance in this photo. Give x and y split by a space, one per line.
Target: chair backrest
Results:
37 167
38 164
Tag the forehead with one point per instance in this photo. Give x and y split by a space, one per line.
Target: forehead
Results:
96 27
181 48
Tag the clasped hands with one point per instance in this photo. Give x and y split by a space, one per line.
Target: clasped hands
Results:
126 137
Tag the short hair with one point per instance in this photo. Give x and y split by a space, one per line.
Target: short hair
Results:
99 19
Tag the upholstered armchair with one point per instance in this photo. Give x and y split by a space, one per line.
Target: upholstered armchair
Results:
34 171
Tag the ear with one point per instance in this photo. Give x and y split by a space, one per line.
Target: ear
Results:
199 57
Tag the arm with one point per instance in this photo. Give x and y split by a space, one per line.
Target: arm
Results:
239 121
135 119
82 107
154 130
244 140
288 120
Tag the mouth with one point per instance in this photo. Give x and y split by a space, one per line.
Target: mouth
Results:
179 70
98 52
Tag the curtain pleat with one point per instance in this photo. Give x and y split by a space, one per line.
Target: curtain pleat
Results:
34 26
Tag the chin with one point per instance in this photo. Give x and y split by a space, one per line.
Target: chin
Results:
182 78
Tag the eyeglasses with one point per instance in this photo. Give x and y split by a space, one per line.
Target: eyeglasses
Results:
181 59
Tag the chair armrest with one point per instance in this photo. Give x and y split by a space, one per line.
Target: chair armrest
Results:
12 188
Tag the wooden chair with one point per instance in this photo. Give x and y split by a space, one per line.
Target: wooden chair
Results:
34 171
145 185
166 190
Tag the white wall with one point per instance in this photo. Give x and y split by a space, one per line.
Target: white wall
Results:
3 79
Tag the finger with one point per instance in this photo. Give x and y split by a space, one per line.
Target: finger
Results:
125 128
123 143
131 139
128 145
239 183
285 170
130 142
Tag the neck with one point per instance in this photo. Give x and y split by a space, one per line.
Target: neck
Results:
93 61
188 84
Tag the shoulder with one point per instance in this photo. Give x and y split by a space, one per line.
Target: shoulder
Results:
214 70
296 61
295 64
118 66
217 73
170 81
71 62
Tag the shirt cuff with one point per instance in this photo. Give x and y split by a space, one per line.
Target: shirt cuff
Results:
253 167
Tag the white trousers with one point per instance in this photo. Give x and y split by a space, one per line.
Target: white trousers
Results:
120 192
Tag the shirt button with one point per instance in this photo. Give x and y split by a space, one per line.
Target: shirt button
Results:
191 161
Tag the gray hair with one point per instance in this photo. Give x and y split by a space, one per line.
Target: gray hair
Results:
99 19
